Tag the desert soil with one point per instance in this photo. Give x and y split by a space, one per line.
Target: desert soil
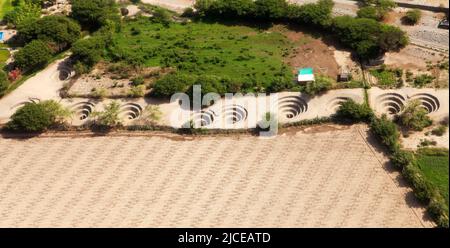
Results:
316 177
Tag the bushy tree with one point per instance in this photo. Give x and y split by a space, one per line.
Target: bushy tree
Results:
415 116
58 30
359 34
318 14
37 117
387 131
392 38
34 55
4 83
354 111
271 9
94 13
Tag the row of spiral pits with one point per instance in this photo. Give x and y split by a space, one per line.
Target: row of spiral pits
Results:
83 110
393 103
290 108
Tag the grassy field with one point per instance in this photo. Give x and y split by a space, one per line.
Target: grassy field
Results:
240 53
5 6
434 164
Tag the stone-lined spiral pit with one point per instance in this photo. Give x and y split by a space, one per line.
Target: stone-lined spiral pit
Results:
234 114
391 103
204 118
130 111
65 72
21 104
429 102
82 111
291 106
334 104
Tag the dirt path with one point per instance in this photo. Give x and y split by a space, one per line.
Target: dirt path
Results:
313 178
44 85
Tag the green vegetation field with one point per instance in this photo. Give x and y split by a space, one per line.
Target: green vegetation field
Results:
434 164
4 55
240 53
5 6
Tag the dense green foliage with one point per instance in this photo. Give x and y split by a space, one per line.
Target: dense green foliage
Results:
412 16
422 80
23 12
37 117
354 111
108 117
414 116
4 83
34 55
434 164
387 131
94 13
58 31
367 37
320 85
239 58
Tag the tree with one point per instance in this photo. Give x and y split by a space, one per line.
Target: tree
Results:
413 16
359 34
94 13
34 55
23 12
392 38
318 14
58 30
37 117
271 9
415 116
4 83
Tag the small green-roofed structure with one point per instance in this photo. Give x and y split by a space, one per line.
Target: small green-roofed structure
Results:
306 75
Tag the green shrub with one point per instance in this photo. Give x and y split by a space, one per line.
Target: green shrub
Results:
88 51
137 91
413 16
94 13
423 80
415 116
370 12
354 111
387 132
109 117
34 55
37 117
139 80
171 84
440 130
56 30
25 12
320 85
401 158
4 83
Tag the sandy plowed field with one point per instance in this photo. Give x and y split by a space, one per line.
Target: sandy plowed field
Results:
318 177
